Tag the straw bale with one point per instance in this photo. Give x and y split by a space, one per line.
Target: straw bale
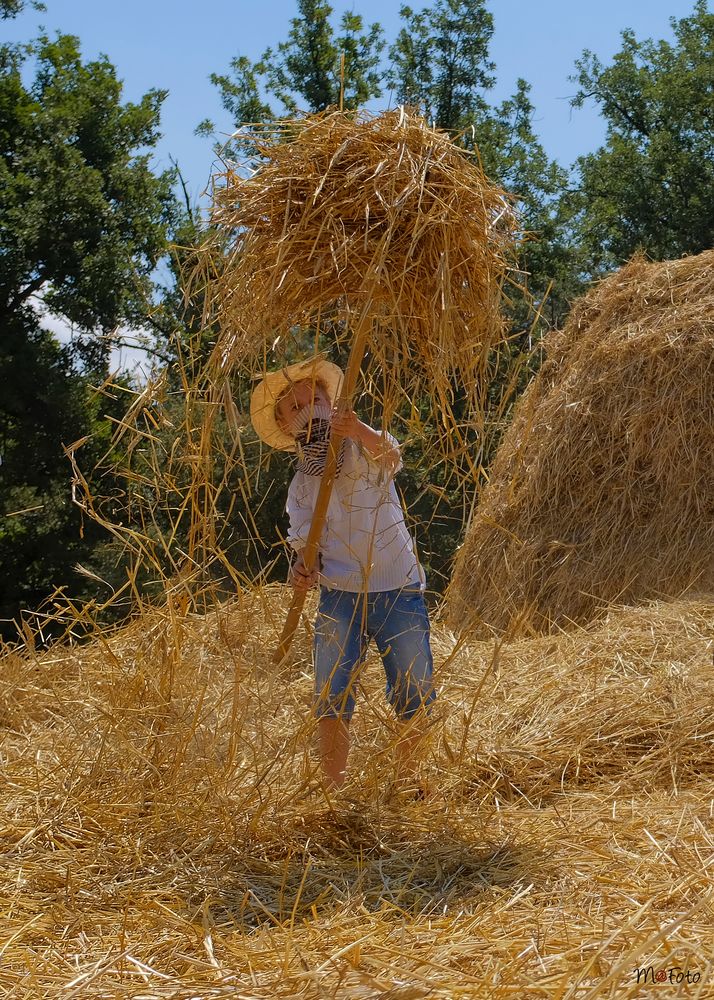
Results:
603 488
357 217
163 835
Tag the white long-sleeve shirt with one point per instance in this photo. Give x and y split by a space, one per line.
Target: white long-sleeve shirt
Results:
365 544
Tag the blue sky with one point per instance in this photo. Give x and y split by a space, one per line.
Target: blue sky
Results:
176 44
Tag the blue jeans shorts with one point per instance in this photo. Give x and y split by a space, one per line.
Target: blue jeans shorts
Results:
397 620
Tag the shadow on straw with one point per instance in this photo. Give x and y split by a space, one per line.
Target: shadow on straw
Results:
415 880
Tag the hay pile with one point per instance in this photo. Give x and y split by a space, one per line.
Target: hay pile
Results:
356 221
161 838
603 488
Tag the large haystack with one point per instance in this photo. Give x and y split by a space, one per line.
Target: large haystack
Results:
603 489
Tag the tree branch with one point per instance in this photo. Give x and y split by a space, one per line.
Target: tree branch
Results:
17 300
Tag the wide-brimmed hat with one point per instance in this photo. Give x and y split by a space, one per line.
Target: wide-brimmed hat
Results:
273 385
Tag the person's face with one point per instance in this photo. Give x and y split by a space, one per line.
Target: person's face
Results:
298 396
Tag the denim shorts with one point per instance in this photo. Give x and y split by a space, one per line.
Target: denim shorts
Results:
398 622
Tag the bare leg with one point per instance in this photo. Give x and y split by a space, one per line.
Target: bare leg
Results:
412 735
334 739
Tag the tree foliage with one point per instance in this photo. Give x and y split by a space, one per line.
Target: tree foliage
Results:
649 187
83 217
83 221
11 8
315 68
440 62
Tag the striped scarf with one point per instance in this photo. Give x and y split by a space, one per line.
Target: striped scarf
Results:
311 428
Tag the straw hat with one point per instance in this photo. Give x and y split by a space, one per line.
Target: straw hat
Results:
273 385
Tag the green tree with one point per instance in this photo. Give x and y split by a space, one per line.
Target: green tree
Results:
549 259
440 64
83 217
83 221
315 68
11 8
309 71
649 187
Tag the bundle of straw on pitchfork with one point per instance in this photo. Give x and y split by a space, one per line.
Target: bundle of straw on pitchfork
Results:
375 232
377 215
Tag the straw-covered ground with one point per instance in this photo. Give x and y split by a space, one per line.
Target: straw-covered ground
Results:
162 835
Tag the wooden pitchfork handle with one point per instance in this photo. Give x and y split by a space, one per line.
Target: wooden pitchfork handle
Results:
310 552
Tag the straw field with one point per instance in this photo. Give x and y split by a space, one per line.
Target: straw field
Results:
603 488
163 833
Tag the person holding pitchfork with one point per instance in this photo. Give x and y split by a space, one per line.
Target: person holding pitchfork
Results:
371 581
